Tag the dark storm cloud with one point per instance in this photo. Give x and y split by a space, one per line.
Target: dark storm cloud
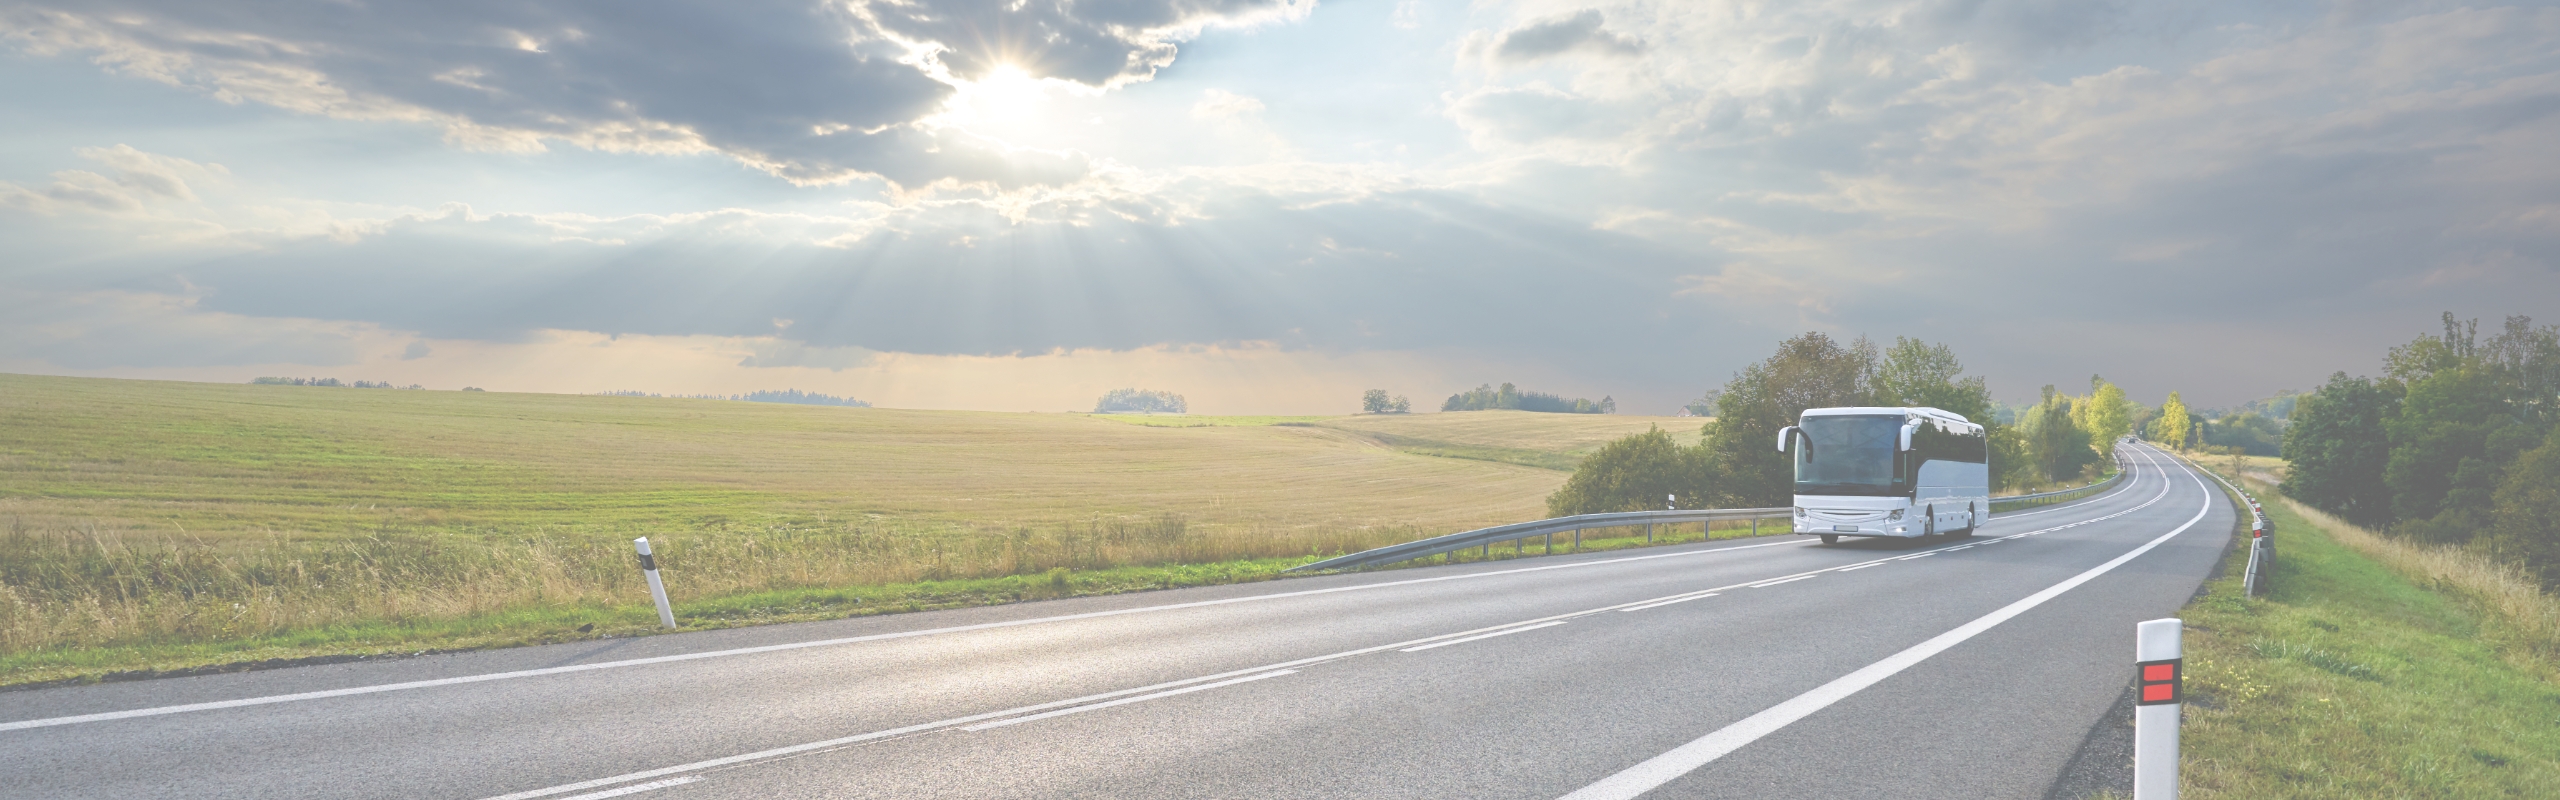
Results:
1396 271
809 91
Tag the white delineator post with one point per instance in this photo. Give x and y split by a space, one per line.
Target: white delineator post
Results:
2159 672
657 588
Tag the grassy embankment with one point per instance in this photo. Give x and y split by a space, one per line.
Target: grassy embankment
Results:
2376 668
151 525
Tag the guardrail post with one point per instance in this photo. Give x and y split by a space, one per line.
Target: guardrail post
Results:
1551 544
1577 540
657 588
2159 668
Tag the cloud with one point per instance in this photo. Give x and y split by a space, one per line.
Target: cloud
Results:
811 92
1096 44
1580 31
1537 113
772 353
140 179
1221 105
91 330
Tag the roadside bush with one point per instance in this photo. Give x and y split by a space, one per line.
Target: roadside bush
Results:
1636 473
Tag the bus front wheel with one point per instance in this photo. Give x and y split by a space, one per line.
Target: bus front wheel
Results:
1830 538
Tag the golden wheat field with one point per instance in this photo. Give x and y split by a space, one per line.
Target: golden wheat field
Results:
140 512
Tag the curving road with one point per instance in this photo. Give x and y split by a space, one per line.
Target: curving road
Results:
1761 668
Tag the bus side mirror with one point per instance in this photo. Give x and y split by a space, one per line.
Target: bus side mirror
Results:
1786 436
1907 430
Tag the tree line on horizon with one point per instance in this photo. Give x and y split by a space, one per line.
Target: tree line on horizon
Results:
1487 397
1734 462
1141 401
792 396
277 381
2451 445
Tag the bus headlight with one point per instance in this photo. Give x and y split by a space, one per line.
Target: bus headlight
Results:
1799 512
1897 514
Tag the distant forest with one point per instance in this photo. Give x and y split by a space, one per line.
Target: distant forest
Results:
1487 398
1141 401
793 396
329 382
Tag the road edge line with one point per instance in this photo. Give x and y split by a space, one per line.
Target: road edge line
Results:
1652 773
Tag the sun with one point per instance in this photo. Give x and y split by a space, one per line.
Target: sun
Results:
1004 95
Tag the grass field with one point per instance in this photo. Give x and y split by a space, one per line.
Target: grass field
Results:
2372 670
155 524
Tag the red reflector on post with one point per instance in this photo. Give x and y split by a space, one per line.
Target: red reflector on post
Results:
2159 681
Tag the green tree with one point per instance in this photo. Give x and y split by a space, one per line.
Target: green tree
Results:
1375 401
1916 373
2056 448
1486 397
1638 472
2337 449
1140 401
2106 415
1808 371
2249 431
2527 527
2171 427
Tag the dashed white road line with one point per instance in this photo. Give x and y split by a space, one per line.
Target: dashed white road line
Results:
1482 636
1513 627
775 648
1701 596
1140 698
636 788
1796 578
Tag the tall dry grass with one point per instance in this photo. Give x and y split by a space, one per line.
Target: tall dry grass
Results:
93 587
2501 589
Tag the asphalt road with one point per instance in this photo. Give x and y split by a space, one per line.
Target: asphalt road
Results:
1761 668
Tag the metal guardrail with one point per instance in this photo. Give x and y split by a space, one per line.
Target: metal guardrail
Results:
2255 578
1485 537
1520 531
2014 502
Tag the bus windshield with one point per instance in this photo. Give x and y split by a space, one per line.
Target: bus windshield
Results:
1848 455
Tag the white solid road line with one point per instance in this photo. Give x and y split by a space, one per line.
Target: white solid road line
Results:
1864 566
1482 636
830 744
636 788
1140 698
1662 769
775 648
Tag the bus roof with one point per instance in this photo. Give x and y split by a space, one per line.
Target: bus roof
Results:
1907 411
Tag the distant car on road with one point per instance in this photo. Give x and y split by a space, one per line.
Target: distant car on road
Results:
1885 471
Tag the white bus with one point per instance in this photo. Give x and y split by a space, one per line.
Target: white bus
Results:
1907 472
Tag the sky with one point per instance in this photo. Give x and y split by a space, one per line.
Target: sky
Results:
1265 205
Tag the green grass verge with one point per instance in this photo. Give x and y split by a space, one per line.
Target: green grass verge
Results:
585 621
2349 680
